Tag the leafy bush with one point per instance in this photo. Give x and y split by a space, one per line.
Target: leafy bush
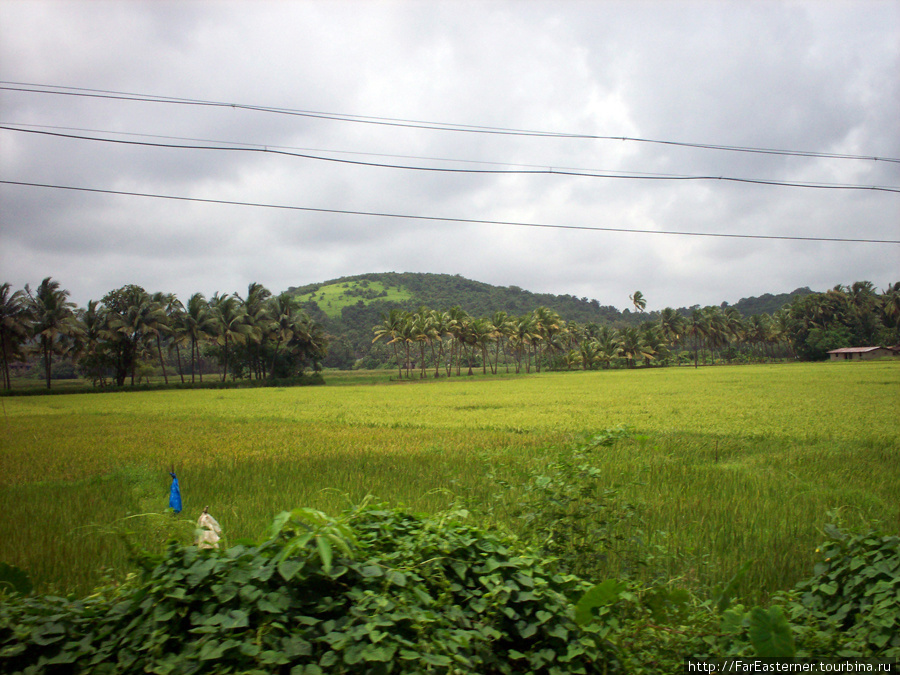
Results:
379 591
568 510
856 589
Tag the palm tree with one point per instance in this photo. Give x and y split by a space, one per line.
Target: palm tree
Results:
197 324
389 329
130 314
53 318
14 326
284 310
482 335
440 326
638 300
671 323
608 344
696 328
631 347
230 321
94 336
587 350
175 314
159 325
258 318
420 328
654 346
548 324
458 320
890 309
502 329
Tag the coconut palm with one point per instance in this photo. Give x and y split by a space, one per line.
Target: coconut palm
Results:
640 303
608 343
159 325
198 325
256 309
93 349
53 320
672 325
130 314
587 351
14 326
390 330
548 324
525 334
482 335
503 328
632 347
231 327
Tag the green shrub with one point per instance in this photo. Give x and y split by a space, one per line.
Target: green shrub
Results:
856 589
379 591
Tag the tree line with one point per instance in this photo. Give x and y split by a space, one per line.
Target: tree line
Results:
429 340
260 335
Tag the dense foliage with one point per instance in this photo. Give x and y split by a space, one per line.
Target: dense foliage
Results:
380 591
130 333
121 337
385 591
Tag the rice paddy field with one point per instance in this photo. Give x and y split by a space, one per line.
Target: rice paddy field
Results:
725 464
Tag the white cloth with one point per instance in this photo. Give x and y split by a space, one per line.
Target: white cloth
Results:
208 536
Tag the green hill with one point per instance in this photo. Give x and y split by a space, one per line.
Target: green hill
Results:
348 307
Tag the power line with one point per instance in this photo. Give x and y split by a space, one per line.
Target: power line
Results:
410 123
17 126
545 171
446 219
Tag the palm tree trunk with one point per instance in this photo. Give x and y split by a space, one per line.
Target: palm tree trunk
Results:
47 361
178 360
161 362
7 382
225 370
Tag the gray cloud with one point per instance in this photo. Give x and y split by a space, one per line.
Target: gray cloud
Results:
795 75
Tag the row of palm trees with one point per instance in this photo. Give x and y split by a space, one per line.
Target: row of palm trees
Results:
542 339
260 334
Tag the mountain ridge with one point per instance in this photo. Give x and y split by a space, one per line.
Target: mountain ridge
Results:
410 290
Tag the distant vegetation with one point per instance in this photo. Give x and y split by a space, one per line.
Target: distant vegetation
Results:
124 336
416 324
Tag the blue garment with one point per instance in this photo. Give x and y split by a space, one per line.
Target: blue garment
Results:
175 495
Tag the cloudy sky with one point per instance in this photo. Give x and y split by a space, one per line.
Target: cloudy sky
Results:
431 85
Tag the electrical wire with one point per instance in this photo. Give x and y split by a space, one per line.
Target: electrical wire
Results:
409 123
447 219
546 171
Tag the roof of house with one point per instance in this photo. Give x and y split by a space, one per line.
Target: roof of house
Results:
855 350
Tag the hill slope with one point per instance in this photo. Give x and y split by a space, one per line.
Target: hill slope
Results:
348 307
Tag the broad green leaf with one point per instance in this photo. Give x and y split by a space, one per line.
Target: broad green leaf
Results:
324 553
598 596
770 633
288 569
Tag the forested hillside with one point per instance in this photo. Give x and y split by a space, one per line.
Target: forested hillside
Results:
349 307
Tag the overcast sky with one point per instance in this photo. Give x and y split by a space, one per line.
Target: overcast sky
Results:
817 77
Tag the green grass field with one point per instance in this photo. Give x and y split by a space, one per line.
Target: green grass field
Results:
333 297
727 464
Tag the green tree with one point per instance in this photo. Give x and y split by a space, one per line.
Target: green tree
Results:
638 300
198 325
53 321
95 358
390 330
229 319
15 323
130 313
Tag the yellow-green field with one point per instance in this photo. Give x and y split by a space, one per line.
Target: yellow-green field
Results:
728 464
331 298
